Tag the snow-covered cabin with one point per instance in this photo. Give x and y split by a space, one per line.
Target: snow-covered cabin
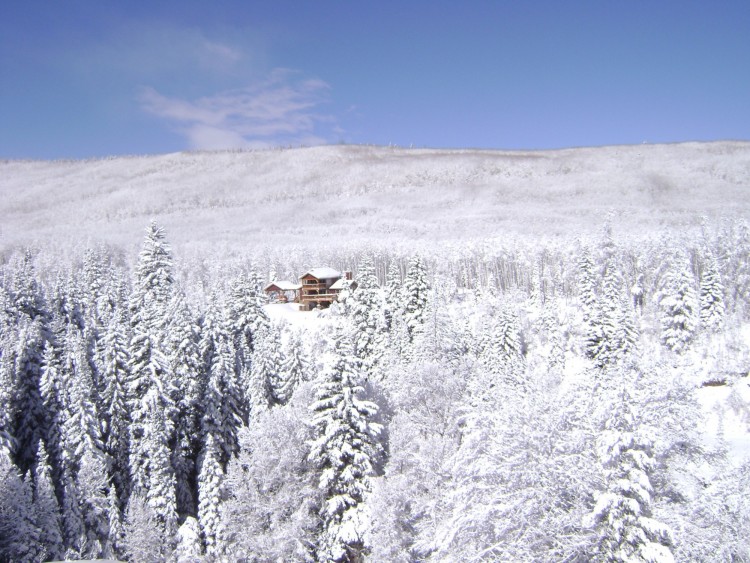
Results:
283 291
321 286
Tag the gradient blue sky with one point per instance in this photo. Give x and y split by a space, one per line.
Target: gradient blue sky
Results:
85 78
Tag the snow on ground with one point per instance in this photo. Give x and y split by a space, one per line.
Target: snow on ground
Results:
728 418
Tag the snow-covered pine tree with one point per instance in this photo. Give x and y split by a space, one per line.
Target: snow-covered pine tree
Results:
51 388
157 484
46 508
152 385
113 547
222 400
27 408
622 514
711 295
295 368
393 299
587 284
93 486
114 411
245 317
20 535
366 311
678 306
616 334
186 363
347 450
210 497
415 297
143 538
264 378
503 355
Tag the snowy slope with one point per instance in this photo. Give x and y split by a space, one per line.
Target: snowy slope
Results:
339 194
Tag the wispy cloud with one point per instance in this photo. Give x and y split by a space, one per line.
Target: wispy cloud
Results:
281 110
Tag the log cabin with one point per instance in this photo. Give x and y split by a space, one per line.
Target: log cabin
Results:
321 286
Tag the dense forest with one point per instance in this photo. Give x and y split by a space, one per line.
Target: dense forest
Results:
523 403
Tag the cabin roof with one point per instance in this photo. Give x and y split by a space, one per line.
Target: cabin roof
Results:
341 284
283 285
322 273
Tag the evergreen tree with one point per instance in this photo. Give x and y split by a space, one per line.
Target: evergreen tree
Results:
20 536
143 538
93 488
152 386
159 486
622 515
264 378
415 297
222 402
186 364
346 449
393 299
366 310
294 370
711 295
587 284
113 548
210 496
679 307
115 412
46 508
616 334
27 409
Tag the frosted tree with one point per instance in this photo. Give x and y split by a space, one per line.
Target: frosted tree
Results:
616 334
587 284
152 386
366 311
115 412
222 400
273 500
424 434
264 378
157 482
81 428
93 486
246 317
210 496
346 449
711 295
20 536
415 297
46 507
295 368
116 532
622 514
143 538
51 388
393 299
186 363
503 355
678 306
27 409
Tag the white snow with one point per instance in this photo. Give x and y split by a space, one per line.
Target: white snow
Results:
218 204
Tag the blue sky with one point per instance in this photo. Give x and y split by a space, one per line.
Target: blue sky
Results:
96 78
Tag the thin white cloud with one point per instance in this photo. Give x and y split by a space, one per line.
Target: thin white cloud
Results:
280 110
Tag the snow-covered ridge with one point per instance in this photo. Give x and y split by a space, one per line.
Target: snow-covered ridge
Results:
336 193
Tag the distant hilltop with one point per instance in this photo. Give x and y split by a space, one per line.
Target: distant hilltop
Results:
334 195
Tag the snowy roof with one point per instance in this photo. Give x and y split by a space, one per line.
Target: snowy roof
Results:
341 284
283 285
322 273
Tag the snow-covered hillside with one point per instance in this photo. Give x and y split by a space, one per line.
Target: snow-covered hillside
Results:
222 202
